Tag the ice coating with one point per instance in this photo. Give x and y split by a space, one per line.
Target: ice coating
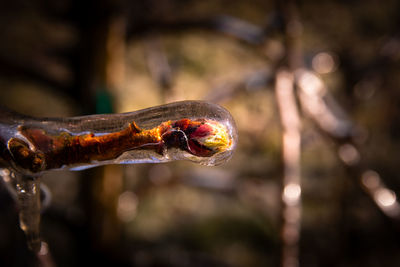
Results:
189 130
28 193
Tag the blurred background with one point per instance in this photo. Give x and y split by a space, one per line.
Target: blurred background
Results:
70 58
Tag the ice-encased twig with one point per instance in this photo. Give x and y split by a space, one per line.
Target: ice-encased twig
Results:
183 130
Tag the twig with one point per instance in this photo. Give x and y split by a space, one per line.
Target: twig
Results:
334 123
286 98
28 195
259 79
158 65
229 25
291 192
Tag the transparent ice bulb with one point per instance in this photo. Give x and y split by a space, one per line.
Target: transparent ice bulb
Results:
189 130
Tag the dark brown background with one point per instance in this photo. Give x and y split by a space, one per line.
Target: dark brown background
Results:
70 57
